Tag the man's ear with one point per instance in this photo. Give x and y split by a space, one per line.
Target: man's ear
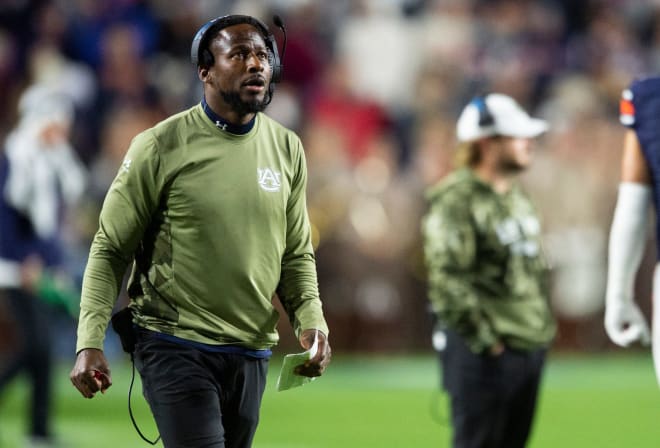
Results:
203 73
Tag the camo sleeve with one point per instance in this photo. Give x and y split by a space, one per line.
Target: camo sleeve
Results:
450 253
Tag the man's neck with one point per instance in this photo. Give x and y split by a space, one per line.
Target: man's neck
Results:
227 114
500 182
224 124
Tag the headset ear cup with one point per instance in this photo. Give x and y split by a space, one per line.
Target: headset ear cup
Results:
273 56
273 67
206 58
277 74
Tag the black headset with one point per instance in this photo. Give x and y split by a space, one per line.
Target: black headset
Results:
485 117
201 56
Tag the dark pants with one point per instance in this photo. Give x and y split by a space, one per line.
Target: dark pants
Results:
33 357
200 399
493 398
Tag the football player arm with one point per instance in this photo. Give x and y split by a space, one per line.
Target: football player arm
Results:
624 322
633 164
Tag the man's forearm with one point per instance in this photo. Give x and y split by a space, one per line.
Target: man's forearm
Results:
627 239
100 289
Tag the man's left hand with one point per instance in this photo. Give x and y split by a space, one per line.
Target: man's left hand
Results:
315 366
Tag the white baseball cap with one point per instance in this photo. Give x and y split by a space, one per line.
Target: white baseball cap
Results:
497 114
41 104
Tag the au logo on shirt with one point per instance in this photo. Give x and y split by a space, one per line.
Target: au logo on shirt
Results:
269 180
126 164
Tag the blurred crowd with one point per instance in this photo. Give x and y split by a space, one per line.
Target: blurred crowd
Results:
374 88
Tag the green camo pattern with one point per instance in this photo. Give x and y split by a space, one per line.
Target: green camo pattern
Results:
486 270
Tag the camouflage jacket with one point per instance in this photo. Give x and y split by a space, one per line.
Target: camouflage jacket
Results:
486 270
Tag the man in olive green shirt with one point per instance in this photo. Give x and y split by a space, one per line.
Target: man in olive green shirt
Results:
486 277
209 208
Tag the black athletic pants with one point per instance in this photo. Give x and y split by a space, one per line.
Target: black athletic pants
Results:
493 398
33 357
200 399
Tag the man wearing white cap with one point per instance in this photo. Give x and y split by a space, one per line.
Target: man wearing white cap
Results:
486 276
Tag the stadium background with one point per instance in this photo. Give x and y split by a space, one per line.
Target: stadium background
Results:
373 88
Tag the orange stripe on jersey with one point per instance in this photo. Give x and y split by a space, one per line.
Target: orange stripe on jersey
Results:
626 107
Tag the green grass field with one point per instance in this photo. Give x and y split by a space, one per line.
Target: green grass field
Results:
595 401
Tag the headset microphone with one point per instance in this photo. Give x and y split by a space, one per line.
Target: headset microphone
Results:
277 20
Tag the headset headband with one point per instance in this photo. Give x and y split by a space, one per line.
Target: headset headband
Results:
201 56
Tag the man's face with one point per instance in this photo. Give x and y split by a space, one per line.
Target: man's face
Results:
515 154
241 71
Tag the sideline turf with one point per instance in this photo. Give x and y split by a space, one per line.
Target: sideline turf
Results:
586 401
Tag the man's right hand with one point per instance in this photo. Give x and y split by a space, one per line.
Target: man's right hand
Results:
625 323
317 365
91 372
497 349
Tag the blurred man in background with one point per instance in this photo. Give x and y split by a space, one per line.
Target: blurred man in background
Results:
640 183
210 207
487 281
40 174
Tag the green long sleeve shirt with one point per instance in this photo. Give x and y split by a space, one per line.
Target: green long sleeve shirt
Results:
214 224
486 272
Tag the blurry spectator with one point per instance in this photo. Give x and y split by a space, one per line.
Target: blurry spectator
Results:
447 36
306 54
608 52
47 65
16 34
121 125
123 72
90 20
116 39
432 159
355 118
8 66
653 43
518 46
39 175
375 44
